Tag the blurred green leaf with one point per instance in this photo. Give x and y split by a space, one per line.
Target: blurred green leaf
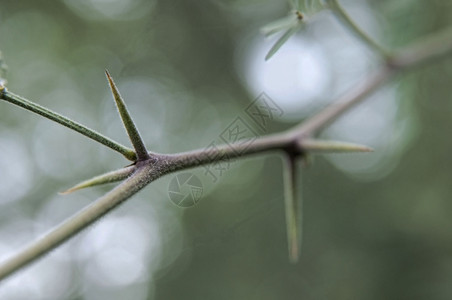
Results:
292 23
3 70
283 39
310 7
280 24
296 4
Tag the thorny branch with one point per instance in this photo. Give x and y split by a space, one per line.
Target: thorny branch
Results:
293 143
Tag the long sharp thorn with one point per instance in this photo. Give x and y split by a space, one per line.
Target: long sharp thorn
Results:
110 177
313 145
283 39
293 208
129 125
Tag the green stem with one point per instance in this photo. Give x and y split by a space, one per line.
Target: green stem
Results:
49 114
334 110
425 50
76 223
347 21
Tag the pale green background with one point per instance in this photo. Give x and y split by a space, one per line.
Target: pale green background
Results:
384 232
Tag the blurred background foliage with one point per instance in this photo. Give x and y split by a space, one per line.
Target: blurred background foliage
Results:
376 226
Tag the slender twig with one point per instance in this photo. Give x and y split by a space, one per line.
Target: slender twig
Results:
340 13
51 115
146 171
424 51
185 160
142 176
348 100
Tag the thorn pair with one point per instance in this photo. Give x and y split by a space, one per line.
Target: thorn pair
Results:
292 186
134 136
